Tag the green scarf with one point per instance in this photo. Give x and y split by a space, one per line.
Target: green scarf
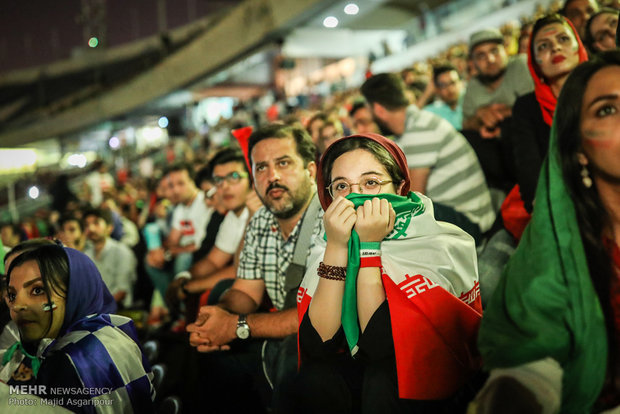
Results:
405 208
35 363
2 253
545 304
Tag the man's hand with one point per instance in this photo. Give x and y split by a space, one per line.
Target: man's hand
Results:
491 115
375 220
213 330
155 258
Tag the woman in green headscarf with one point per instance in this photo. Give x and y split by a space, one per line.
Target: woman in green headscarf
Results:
550 335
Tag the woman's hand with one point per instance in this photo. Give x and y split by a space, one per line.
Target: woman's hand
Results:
375 220
339 219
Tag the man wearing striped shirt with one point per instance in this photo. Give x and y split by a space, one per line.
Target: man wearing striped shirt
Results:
442 164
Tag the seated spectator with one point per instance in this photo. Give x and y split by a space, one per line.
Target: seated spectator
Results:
449 88
232 180
11 234
315 123
213 200
331 131
362 119
263 345
71 232
114 260
579 12
67 337
524 37
492 92
442 164
97 183
601 31
130 236
9 332
356 297
550 334
554 52
189 221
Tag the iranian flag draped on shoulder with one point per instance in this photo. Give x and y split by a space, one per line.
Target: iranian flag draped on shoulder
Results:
430 276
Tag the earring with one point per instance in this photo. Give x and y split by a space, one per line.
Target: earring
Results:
585 177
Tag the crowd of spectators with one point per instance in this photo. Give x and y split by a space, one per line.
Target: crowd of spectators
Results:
208 245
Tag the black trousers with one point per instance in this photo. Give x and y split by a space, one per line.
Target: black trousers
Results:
253 377
349 387
231 381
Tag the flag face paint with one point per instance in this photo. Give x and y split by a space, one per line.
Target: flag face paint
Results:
596 138
49 307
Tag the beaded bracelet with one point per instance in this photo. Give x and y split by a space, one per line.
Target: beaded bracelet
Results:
332 272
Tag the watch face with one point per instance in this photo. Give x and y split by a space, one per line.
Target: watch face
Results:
243 331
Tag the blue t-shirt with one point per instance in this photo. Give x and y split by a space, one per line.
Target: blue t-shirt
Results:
453 116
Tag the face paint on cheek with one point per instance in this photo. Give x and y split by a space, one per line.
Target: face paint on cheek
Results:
596 139
49 306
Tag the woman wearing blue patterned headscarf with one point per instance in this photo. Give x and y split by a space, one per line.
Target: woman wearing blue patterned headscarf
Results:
86 358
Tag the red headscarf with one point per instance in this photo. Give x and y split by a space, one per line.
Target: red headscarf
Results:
386 143
544 95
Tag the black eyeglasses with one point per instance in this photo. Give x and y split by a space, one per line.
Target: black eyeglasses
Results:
231 178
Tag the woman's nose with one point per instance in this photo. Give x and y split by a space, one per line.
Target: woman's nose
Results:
359 188
18 305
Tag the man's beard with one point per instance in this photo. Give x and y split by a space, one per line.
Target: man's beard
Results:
383 127
489 79
296 199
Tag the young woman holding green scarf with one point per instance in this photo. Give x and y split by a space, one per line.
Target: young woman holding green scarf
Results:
551 333
389 306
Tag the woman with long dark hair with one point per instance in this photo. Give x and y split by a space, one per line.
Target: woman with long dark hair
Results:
551 332
70 347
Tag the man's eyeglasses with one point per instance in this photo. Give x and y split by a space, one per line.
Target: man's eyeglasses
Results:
231 178
368 185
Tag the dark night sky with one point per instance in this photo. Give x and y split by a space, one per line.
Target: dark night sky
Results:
35 32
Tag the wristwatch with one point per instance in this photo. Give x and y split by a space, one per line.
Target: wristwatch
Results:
243 329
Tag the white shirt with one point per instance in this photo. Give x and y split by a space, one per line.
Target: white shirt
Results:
192 221
231 231
117 265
